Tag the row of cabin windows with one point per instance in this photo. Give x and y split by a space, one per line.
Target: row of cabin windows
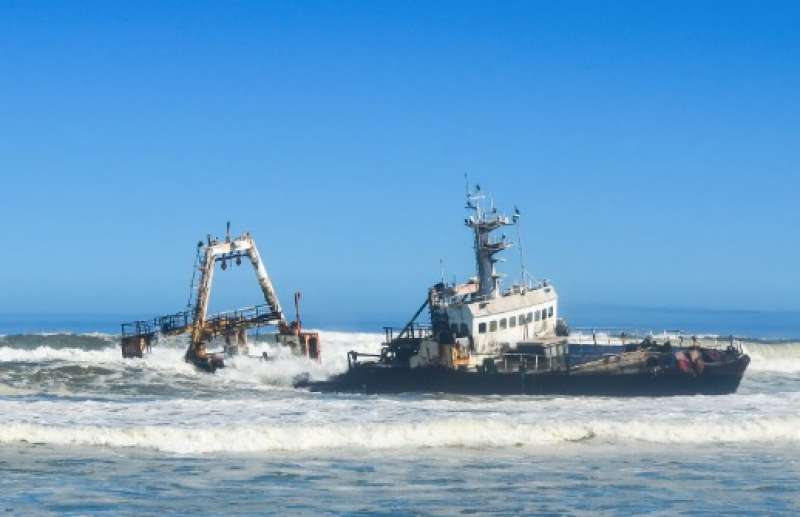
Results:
512 322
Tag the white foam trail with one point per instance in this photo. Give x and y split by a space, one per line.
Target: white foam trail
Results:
458 433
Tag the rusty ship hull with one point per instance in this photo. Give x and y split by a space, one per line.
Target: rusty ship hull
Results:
716 379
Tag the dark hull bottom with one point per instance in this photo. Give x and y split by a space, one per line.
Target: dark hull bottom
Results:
720 380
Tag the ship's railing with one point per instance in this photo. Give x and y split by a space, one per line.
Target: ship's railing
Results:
413 331
174 323
247 317
256 313
621 336
137 328
180 322
352 358
533 362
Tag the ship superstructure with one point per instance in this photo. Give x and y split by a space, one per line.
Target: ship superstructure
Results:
480 311
484 338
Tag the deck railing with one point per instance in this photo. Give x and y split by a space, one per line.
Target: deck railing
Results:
621 336
414 331
180 322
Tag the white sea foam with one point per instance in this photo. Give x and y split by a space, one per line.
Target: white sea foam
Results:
6 390
463 433
774 357
163 370
335 346
47 353
168 353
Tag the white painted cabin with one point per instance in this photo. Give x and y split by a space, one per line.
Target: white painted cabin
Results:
507 319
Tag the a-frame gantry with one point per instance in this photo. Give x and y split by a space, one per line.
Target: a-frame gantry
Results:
138 336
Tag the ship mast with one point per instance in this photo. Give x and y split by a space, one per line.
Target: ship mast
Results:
483 223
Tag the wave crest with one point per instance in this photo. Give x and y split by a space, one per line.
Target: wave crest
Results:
783 357
375 436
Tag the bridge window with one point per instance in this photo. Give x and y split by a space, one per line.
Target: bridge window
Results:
538 315
464 330
493 326
512 321
453 328
503 324
550 312
481 328
530 317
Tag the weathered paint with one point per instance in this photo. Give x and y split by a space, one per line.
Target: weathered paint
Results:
232 325
223 251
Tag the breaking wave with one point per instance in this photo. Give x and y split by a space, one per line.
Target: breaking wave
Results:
105 348
87 363
90 341
77 390
453 433
783 357
90 364
41 354
102 350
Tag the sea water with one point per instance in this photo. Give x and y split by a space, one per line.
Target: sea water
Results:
84 431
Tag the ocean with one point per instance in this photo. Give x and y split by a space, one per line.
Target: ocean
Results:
83 431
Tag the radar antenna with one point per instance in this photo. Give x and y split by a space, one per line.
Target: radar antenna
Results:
523 269
482 224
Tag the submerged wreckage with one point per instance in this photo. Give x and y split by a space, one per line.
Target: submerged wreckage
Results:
139 336
486 340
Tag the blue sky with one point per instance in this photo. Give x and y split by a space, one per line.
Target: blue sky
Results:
652 148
